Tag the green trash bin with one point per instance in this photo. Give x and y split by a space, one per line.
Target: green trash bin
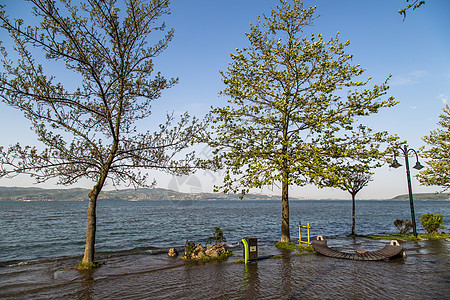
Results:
250 248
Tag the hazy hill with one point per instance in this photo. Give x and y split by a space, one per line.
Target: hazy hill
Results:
79 194
39 194
425 196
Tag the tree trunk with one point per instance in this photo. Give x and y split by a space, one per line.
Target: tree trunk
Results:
285 233
353 214
91 224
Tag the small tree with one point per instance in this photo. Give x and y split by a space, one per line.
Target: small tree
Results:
438 163
353 183
217 236
403 225
351 178
289 113
90 132
432 223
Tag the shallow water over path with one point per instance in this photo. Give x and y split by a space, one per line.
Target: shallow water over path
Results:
423 274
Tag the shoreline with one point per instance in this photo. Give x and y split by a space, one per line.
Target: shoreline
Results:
233 247
422 274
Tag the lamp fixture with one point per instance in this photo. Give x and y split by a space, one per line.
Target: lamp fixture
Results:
395 164
418 166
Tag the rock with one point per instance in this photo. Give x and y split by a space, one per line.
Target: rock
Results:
198 248
214 251
173 252
197 252
447 239
201 254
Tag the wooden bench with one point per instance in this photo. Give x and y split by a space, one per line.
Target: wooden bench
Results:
394 249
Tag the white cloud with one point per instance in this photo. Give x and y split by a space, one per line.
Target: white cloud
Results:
443 98
400 80
408 79
419 74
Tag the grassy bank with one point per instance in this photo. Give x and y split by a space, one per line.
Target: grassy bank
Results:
293 247
407 236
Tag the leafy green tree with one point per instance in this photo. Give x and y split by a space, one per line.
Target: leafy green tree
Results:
293 108
438 155
90 132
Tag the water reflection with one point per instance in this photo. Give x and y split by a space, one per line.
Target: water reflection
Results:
87 286
285 271
250 283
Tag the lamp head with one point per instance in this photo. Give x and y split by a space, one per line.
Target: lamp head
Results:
418 166
395 164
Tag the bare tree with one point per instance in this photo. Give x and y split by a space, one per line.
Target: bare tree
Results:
91 132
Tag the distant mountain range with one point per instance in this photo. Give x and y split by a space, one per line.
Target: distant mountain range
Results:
79 194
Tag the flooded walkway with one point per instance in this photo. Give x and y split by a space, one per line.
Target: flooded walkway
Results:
424 274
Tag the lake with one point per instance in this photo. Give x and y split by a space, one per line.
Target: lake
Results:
42 241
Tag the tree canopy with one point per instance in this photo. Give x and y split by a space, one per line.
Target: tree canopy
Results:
295 100
90 131
438 154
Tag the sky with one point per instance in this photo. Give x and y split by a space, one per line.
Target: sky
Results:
414 51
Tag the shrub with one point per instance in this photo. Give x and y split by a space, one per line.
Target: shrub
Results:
217 237
432 223
188 248
403 225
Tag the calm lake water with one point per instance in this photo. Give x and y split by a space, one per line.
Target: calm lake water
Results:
41 242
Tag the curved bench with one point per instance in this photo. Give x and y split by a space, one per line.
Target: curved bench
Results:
394 249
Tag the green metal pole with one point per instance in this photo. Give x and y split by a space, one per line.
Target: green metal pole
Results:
411 203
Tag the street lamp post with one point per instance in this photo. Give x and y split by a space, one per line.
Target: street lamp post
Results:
417 166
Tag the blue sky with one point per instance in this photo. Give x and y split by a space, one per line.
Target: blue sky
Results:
415 52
